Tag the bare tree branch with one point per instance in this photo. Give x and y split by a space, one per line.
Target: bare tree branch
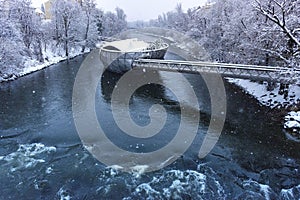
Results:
278 54
274 18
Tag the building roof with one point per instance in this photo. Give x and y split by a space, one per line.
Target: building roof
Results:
129 45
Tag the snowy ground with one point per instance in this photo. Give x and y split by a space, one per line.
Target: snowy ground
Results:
274 98
51 57
292 125
271 97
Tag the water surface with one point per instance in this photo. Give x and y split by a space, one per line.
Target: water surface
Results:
42 157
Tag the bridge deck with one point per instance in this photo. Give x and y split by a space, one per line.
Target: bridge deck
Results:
278 74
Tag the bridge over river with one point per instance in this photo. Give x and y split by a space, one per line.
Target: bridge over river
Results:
252 72
133 59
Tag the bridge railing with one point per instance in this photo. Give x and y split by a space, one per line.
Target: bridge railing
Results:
278 74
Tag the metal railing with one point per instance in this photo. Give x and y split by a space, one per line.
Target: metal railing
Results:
253 72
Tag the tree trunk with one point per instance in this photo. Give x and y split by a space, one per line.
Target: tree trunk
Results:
271 86
86 34
40 53
284 90
267 59
66 39
67 50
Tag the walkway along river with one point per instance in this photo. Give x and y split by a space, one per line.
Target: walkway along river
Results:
41 155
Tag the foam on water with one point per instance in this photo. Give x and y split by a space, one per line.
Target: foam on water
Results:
63 194
113 170
49 170
265 189
26 156
289 194
177 184
139 170
259 190
115 167
148 189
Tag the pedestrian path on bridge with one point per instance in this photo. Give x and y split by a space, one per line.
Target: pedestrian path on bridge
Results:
252 72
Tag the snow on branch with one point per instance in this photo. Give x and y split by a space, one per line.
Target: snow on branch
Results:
273 14
278 54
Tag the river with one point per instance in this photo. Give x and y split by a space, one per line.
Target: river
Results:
42 157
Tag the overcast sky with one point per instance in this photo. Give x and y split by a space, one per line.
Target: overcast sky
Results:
146 9
142 9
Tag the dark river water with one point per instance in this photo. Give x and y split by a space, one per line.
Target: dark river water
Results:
42 157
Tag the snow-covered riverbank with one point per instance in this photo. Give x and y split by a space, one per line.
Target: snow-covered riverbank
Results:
268 95
30 66
292 125
272 96
287 99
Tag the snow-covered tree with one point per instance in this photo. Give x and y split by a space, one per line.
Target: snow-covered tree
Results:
121 22
12 48
181 19
283 20
99 14
20 37
90 33
264 32
25 37
28 24
108 24
66 16
114 23
176 19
